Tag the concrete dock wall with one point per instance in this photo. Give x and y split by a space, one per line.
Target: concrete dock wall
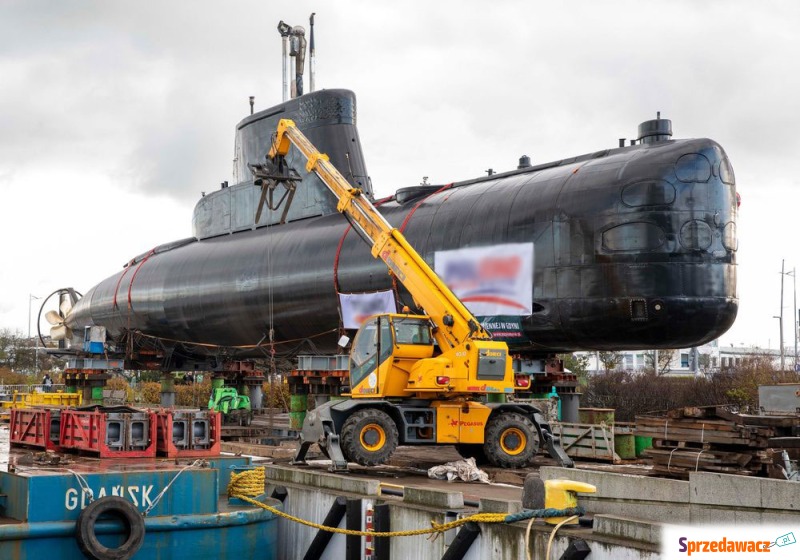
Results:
311 493
706 498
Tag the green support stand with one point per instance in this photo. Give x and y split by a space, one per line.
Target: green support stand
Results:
297 411
168 389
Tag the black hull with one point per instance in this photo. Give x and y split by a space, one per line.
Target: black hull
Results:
634 249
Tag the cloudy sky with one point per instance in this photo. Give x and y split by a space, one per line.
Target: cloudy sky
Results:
114 116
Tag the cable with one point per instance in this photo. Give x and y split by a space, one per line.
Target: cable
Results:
528 539
242 347
196 463
553 535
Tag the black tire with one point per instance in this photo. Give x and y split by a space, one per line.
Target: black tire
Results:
369 437
113 506
245 417
475 450
511 440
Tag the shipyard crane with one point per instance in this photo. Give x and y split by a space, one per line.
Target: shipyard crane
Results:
414 379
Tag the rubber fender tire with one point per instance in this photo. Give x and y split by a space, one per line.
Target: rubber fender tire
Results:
88 543
351 437
475 450
498 427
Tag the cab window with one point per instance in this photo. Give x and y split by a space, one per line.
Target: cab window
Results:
411 331
373 344
366 343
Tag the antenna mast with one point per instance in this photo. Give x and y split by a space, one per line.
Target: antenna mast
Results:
312 56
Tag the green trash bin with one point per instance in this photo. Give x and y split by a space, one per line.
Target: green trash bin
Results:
625 446
297 411
642 444
596 415
97 394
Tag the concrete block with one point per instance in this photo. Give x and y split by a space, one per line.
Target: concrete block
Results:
780 494
499 541
749 517
305 503
433 498
490 505
623 486
339 483
623 527
724 490
419 547
639 509
769 517
702 514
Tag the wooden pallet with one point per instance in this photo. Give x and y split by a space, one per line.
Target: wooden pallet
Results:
713 439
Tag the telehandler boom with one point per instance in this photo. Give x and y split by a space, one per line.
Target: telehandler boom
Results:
414 379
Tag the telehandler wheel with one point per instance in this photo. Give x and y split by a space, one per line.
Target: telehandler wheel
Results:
475 450
369 437
511 440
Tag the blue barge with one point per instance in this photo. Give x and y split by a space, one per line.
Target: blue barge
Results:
82 507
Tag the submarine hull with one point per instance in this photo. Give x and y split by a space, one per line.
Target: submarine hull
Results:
635 248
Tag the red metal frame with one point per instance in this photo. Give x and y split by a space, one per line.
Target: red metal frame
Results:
86 431
166 447
31 427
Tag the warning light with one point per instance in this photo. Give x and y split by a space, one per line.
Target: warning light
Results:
522 381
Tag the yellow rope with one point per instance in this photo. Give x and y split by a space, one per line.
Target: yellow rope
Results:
251 483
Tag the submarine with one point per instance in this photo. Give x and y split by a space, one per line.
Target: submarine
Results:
629 247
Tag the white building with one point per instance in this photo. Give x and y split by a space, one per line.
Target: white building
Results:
709 358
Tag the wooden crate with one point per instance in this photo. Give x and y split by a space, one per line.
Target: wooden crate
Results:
587 441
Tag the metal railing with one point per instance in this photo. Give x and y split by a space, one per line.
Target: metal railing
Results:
35 388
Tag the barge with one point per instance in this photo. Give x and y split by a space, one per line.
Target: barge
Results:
77 506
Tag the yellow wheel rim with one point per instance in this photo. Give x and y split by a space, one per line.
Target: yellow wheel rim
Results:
513 441
373 437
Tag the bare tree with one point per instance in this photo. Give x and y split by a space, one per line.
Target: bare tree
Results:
664 361
18 353
12 354
610 360
704 362
577 364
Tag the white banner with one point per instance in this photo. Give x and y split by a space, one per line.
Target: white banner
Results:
493 280
356 308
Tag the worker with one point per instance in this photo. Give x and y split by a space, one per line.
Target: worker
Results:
48 383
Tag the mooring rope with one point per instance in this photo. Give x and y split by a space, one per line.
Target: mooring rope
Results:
247 484
83 484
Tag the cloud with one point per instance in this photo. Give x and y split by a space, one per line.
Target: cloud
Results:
118 109
140 96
